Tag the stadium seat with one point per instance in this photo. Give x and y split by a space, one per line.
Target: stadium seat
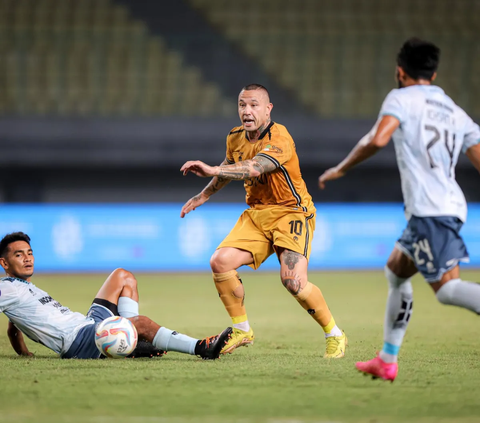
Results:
343 52
90 57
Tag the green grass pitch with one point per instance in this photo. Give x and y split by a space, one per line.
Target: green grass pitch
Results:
281 379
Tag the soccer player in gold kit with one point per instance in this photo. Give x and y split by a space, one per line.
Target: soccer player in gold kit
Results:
281 217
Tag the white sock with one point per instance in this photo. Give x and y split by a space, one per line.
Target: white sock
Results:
169 340
397 315
127 307
336 331
245 326
460 293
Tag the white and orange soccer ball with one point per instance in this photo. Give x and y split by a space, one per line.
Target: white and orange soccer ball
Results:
116 337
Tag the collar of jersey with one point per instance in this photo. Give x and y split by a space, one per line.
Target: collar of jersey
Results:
428 87
265 131
10 279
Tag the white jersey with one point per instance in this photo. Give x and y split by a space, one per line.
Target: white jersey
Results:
39 316
433 131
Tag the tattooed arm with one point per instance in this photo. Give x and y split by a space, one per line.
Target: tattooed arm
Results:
216 184
238 171
222 175
247 169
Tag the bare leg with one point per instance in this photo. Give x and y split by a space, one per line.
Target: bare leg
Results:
120 283
229 258
120 289
447 277
146 327
401 265
293 272
120 286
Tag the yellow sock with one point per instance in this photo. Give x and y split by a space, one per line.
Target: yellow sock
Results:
232 294
311 299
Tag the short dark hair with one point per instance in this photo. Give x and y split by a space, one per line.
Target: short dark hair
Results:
251 87
419 58
13 237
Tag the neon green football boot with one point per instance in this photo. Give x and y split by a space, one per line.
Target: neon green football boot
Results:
336 346
238 338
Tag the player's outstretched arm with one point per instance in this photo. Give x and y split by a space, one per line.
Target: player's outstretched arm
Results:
369 145
247 169
216 184
237 171
16 339
473 154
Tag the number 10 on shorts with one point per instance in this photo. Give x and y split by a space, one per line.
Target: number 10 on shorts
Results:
296 227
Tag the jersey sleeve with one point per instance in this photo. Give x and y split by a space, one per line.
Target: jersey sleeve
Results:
393 106
472 135
278 150
228 154
8 296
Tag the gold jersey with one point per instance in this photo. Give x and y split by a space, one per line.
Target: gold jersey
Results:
282 187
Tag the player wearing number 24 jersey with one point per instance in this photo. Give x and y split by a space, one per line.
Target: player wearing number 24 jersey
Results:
281 217
429 132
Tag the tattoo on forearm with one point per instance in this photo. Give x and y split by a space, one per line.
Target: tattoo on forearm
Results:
237 171
247 169
291 258
217 183
292 282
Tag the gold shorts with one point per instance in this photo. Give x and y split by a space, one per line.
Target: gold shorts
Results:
262 230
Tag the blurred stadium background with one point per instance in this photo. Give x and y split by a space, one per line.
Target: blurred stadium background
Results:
102 101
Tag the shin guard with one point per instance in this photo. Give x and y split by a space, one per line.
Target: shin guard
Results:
231 292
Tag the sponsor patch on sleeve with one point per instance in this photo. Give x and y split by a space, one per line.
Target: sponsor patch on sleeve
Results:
270 147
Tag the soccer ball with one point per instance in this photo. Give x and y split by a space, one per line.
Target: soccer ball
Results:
116 337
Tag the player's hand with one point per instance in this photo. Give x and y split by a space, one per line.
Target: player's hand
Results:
329 175
199 168
193 203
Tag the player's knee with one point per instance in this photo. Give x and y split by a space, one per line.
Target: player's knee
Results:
219 262
127 278
293 283
446 292
391 264
395 267
397 282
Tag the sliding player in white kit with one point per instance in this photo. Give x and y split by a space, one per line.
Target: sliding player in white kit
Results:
32 311
429 131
